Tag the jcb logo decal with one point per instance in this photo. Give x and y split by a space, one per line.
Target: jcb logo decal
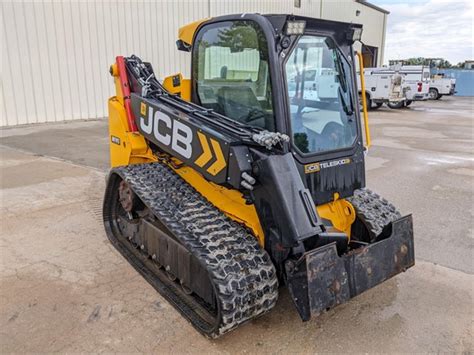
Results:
311 168
167 131
179 137
206 155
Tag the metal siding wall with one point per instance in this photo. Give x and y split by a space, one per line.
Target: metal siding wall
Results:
56 54
308 7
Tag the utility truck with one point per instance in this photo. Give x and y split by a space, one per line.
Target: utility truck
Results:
382 88
320 84
415 82
440 86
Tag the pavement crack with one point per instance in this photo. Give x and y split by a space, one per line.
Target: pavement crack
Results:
13 317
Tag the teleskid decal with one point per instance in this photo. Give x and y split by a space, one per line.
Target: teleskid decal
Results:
315 167
179 137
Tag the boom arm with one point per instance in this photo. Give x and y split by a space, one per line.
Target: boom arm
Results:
213 144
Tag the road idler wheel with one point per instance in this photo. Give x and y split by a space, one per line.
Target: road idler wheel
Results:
170 275
185 288
126 196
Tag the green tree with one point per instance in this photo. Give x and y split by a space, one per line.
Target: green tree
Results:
432 62
238 37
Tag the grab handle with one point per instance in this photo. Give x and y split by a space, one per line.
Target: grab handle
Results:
364 101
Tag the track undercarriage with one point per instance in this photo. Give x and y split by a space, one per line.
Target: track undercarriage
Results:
208 266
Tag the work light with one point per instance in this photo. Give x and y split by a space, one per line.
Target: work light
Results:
295 27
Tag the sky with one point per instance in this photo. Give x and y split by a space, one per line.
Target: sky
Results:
429 28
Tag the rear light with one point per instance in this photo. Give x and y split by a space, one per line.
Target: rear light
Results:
420 86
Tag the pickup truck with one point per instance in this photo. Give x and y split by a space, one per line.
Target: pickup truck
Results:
440 86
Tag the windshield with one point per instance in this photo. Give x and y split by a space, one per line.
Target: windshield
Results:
319 90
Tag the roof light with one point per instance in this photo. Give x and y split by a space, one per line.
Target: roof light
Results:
357 34
295 27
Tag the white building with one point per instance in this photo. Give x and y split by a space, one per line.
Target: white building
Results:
56 54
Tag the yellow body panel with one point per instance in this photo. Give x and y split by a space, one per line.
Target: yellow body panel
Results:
186 89
125 147
183 88
340 212
186 33
168 83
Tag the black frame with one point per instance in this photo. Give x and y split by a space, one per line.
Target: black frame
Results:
273 27
273 62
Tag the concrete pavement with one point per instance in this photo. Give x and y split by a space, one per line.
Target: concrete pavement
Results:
64 288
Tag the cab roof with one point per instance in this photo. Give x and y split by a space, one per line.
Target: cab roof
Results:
187 32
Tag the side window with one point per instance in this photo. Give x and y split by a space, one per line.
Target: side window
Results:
231 74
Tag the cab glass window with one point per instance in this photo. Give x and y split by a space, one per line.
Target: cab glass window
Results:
231 73
320 94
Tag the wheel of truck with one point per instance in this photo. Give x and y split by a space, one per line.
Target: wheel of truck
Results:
408 103
368 102
395 105
434 95
377 105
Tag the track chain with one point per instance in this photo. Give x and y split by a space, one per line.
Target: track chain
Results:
374 211
244 277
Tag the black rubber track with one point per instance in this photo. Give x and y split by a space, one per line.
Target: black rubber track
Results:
374 211
241 272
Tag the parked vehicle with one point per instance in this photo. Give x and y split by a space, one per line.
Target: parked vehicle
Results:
417 78
320 84
415 82
381 87
440 86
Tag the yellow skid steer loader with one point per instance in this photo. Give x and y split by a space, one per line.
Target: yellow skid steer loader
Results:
250 175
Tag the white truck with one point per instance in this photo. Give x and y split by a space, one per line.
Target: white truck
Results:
417 78
320 84
440 86
415 82
382 87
